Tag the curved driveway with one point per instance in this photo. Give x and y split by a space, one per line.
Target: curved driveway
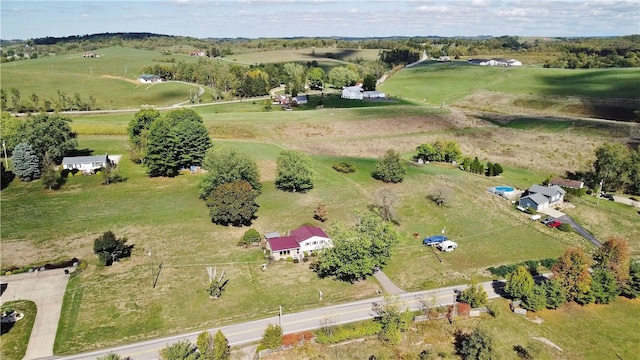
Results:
46 289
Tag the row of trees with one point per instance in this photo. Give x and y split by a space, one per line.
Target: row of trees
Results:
168 143
610 273
477 167
17 104
207 347
36 144
232 182
440 150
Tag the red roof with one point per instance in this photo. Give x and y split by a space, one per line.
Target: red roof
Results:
283 243
297 236
305 232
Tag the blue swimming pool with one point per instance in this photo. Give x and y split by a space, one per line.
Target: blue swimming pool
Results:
504 188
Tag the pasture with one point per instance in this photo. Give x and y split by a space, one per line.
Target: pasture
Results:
327 58
167 223
111 79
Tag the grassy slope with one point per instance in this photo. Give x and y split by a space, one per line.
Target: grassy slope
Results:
453 81
14 342
165 216
110 79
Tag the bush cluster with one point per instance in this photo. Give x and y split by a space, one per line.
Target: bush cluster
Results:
531 265
347 332
48 266
344 167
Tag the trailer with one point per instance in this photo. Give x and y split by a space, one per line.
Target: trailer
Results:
447 246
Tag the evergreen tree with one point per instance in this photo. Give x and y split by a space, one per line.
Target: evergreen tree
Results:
603 286
519 283
477 345
536 299
390 168
474 295
161 149
632 288
26 165
110 249
139 131
554 294
182 350
192 143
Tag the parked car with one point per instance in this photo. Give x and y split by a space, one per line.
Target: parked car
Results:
447 246
434 240
554 223
607 196
546 220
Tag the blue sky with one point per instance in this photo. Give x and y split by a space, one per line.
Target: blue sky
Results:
286 18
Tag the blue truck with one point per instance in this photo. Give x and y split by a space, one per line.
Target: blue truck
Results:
434 240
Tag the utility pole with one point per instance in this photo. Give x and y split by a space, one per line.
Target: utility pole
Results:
280 316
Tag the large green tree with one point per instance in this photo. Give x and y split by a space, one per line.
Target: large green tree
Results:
233 203
519 283
342 76
477 345
192 142
612 165
316 77
390 168
474 295
359 250
49 133
213 347
604 288
632 288
293 171
225 165
554 294
161 159
139 131
26 165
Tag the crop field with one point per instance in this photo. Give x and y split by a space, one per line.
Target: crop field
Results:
326 57
167 223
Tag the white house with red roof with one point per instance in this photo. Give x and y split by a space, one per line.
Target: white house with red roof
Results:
303 239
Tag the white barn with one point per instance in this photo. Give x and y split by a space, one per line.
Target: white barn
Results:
352 93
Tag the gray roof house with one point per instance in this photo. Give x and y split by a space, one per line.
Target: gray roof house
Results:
86 164
540 197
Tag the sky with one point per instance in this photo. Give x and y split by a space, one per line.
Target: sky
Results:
321 18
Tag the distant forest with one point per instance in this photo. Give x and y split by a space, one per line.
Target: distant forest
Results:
570 53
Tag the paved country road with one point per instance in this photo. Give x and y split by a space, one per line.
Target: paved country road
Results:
252 331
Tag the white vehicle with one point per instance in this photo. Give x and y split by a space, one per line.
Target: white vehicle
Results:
535 217
447 246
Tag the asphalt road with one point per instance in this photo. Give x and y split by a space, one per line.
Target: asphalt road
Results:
252 331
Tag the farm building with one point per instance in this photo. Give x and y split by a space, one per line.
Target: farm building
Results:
566 183
86 164
299 100
303 239
540 197
373 95
149 78
352 93
495 62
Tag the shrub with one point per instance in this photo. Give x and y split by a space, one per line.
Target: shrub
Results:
344 167
110 249
565 227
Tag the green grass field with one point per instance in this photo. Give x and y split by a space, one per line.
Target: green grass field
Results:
14 339
106 78
164 217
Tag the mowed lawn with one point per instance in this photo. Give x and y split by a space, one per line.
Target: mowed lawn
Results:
15 336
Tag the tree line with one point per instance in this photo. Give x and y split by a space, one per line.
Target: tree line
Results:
34 103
